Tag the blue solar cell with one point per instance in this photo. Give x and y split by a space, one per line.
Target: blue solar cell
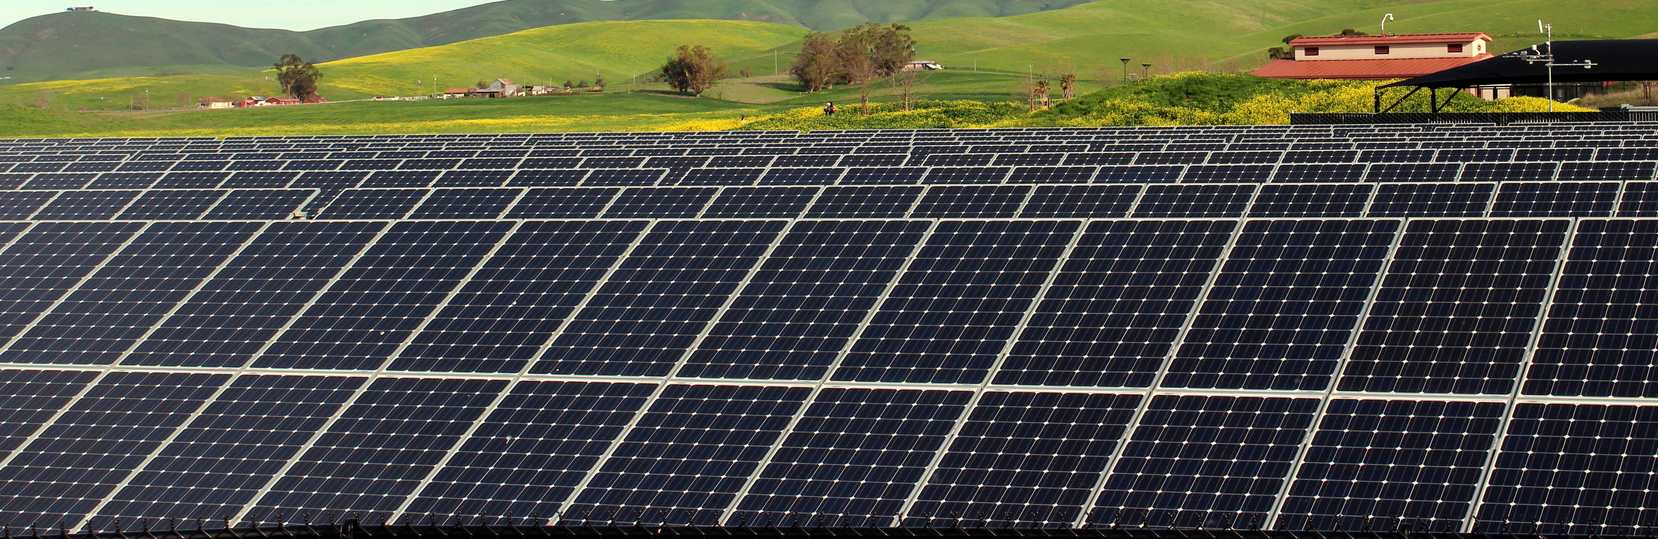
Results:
760 202
1080 201
1205 456
474 178
1574 468
1034 456
381 447
533 450
695 447
124 180
1116 307
572 203
254 295
1431 200
162 204
241 439
1594 341
968 175
1403 459
1227 174
801 176
1504 172
1311 200
971 201
660 203
1194 200
855 455
883 176
504 314
45 263
958 303
1556 199
19 205
803 305
86 205
363 317
466 203
29 398
373 204
721 176
115 306
1284 305
668 288
259 180
872 202
78 459
260 204
622 176
1457 307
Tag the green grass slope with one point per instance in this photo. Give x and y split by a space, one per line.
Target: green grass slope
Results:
72 45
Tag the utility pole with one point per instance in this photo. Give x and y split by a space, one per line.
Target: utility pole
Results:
1125 69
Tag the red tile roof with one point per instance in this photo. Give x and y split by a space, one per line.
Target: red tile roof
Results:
1467 37
1398 68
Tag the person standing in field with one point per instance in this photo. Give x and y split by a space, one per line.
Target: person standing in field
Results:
829 109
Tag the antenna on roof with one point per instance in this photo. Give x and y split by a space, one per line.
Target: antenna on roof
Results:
1385 18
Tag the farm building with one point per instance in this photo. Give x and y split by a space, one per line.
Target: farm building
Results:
1381 57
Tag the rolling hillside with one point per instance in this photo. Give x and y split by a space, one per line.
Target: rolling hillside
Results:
90 45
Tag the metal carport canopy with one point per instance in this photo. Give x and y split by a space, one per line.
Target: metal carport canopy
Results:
1616 60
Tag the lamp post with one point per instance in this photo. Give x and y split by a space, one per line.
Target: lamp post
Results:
1145 70
1125 70
1548 59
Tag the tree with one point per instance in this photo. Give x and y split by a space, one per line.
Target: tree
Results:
746 72
888 48
1352 32
907 84
582 84
693 69
1068 84
298 77
598 80
568 84
817 64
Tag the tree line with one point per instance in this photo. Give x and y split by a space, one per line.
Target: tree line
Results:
858 55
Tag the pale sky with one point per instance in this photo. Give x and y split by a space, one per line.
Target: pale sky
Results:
287 14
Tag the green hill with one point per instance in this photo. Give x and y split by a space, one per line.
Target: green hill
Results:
91 44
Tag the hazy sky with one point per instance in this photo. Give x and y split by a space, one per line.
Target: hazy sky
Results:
288 14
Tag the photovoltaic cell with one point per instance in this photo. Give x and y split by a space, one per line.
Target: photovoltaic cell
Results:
80 457
1080 201
967 175
240 440
1284 305
1404 459
254 295
86 205
162 204
660 202
1025 453
1594 341
28 398
1227 174
381 447
116 306
696 446
1504 172
19 205
49 260
363 317
721 176
373 204
1194 201
760 202
855 454
505 313
951 312
1455 311
1116 307
261 204
572 203
1205 456
465 203
1311 200
547 178
642 319
870 202
1556 199
529 455
971 201
1431 199
803 305
1574 468
883 176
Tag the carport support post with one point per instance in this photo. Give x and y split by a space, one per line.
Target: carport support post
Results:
1378 108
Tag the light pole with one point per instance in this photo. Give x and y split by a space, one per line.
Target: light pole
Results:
1145 71
1125 70
1548 59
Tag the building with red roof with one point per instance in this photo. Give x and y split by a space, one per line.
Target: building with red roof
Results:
1381 57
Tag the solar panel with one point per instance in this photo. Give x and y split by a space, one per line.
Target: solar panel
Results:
1283 327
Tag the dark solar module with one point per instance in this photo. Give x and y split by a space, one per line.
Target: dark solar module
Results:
874 202
1501 172
1455 311
1283 308
1555 199
373 204
163 204
1194 200
1228 173
547 178
619 176
760 202
966 201
1080 201
721 176
466 203
401 178
883 176
1431 199
474 178
59 181
958 302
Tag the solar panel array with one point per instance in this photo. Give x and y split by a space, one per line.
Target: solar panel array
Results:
1275 326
